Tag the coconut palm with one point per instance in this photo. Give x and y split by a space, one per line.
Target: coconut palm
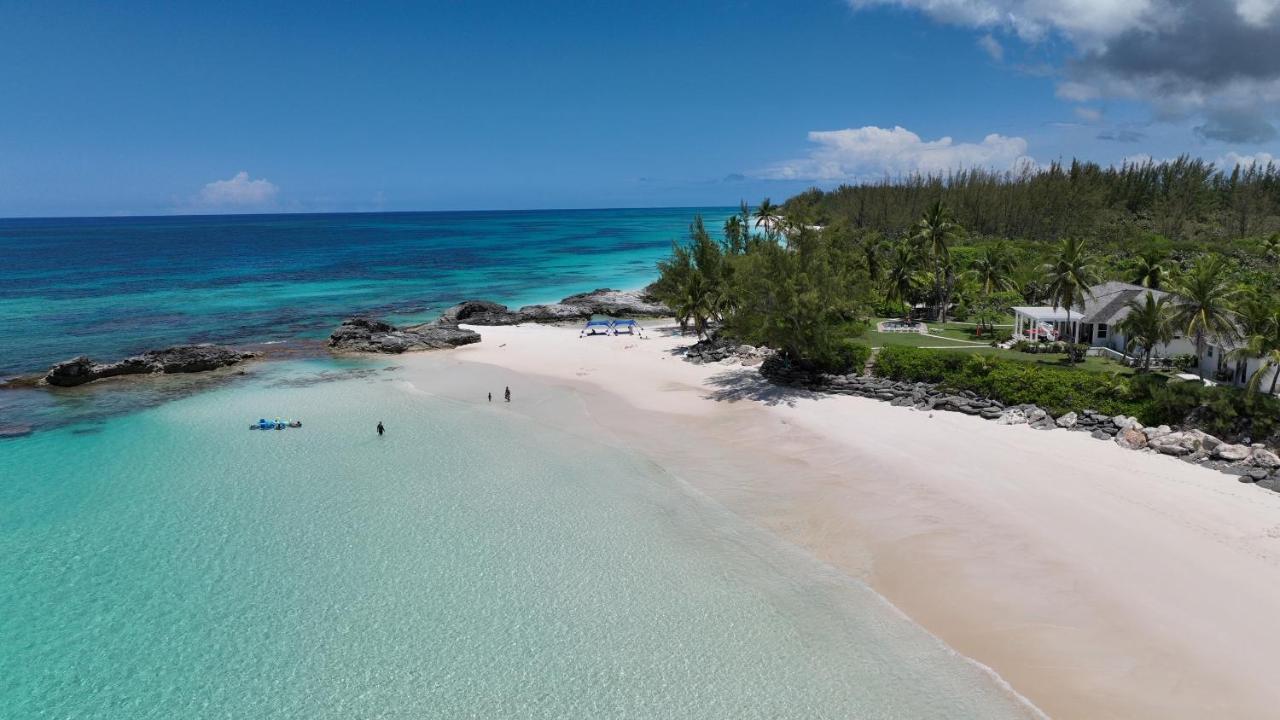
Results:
993 269
1203 311
1148 325
1069 277
935 232
903 276
1260 332
1150 270
769 215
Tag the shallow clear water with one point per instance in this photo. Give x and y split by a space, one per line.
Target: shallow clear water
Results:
172 563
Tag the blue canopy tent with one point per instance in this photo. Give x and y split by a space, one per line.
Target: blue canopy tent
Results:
628 327
596 327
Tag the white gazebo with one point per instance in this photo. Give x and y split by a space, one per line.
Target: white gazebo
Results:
1045 323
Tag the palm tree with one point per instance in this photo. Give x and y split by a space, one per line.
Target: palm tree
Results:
1205 296
993 269
768 214
1260 332
934 233
1148 324
1069 277
903 277
1150 270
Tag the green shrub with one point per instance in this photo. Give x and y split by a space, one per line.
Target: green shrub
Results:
1226 412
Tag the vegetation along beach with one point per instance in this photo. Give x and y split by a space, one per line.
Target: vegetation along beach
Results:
874 359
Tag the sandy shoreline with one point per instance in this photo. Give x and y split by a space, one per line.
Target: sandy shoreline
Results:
1096 581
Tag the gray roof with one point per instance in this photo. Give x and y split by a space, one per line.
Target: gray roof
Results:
1107 302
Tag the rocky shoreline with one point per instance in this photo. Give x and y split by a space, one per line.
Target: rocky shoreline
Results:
1255 463
169 361
367 335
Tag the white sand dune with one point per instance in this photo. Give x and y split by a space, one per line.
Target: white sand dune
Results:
1099 582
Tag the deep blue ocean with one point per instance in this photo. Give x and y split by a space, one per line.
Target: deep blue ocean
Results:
109 287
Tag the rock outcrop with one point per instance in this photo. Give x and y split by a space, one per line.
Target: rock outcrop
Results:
1254 463
177 359
360 334
617 303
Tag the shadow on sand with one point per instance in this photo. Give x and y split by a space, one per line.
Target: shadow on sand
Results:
746 383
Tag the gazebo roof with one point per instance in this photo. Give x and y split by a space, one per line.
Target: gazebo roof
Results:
1046 314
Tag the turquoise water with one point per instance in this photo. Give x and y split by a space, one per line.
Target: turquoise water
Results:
171 563
109 287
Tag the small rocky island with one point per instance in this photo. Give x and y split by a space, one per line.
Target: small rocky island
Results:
360 334
177 359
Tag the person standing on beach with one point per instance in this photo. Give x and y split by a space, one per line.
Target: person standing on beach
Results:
490 397
508 393
380 429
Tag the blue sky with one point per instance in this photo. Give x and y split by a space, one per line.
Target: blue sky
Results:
158 108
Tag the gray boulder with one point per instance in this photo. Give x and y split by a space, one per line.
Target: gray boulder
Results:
1068 421
1264 459
604 301
367 335
1131 439
1012 416
1231 453
173 360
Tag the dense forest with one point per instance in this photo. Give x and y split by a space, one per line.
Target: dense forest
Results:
811 277
1186 202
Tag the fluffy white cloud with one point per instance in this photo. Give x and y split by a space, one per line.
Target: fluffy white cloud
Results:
239 191
869 153
1214 59
1085 22
991 47
1232 159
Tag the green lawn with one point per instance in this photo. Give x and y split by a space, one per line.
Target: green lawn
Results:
877 339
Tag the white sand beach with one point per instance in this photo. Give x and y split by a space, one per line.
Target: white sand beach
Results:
1098 582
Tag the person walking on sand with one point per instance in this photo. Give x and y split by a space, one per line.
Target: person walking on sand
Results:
508 393
381 429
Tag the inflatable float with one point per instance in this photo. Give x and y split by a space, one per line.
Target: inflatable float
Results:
277 424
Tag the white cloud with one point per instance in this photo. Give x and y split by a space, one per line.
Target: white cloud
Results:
991 47
239 191
1088 114
1084 22
872 152
1181 58
1256 12
1232 159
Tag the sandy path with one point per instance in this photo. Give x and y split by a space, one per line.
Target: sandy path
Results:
1097 581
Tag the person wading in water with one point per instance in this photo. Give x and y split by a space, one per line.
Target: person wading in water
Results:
508 394
381 429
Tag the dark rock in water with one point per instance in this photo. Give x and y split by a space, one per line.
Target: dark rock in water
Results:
480 312
367 335
618 303
177 359
15 430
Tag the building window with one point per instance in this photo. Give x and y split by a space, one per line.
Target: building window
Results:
1102 331
1209 351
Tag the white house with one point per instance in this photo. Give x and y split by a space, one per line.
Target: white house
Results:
1105 306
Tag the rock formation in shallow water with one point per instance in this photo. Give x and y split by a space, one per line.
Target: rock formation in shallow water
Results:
177 359
359 334
603 301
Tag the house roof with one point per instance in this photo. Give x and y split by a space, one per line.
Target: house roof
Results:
1105 303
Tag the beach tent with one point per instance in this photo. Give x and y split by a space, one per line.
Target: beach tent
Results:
628 327
596 327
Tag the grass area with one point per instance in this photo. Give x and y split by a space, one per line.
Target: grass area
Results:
883 339
952 332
